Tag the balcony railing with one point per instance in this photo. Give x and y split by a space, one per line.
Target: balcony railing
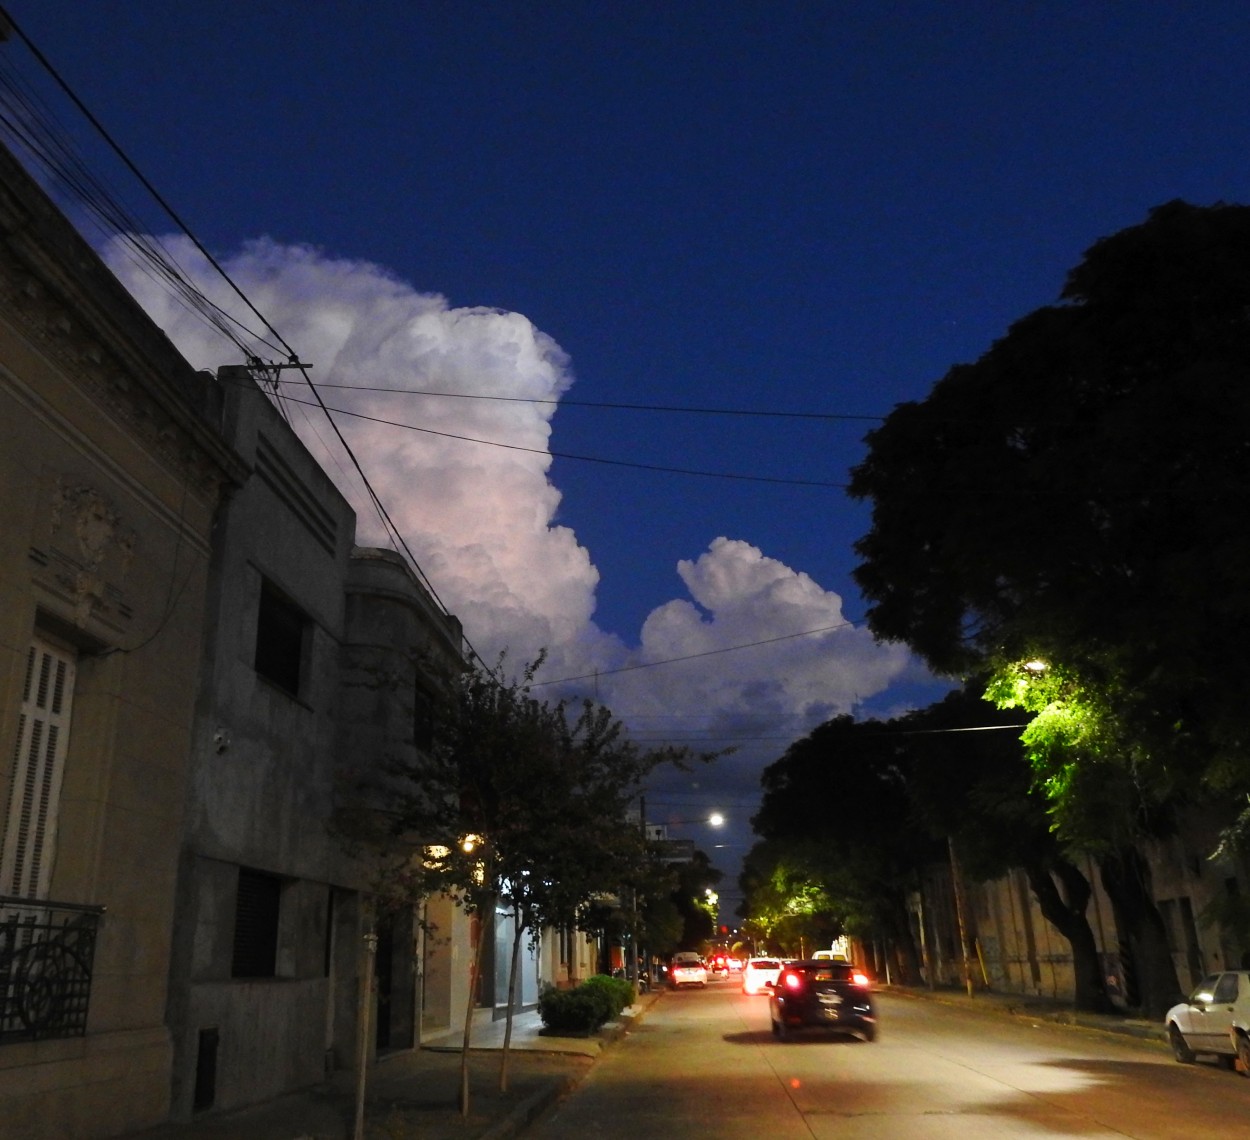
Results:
46 954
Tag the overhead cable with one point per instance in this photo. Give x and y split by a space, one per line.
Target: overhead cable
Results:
588 458
693 656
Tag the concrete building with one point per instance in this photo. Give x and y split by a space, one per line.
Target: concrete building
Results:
321 660
110 476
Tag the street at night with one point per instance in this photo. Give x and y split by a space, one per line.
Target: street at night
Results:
704 1063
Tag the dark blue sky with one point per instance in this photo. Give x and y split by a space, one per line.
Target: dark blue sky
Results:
815 206
804 207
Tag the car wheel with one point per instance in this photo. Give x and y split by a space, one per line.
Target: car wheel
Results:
1243 1053
1226 1061
1182 1052
870 1032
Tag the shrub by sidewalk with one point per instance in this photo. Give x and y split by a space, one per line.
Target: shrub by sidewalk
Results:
585 1008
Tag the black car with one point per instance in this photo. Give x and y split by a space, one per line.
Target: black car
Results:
823 994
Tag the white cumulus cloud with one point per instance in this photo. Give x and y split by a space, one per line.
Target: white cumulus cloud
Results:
481 519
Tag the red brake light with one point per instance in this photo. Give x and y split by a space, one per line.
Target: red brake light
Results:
859 979
792 981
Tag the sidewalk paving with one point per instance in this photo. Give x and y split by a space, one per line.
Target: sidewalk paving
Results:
414 1094
1040 1009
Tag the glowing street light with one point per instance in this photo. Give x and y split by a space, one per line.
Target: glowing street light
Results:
716 819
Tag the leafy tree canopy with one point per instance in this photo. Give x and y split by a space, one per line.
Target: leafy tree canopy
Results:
521 799
1076 496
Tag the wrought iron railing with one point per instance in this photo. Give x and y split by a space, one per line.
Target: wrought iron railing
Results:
46 954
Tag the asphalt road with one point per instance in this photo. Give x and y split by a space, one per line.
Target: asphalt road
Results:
704 1064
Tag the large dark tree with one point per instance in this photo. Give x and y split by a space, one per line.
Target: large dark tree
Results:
1076 496
836 807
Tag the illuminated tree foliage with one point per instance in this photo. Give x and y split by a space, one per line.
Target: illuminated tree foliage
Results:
901 789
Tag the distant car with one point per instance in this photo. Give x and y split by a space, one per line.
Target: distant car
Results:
1214 1019
822 995
687 969
735 965
758 973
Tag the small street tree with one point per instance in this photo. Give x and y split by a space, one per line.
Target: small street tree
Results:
518 801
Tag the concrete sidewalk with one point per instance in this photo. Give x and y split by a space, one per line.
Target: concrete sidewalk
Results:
1039 1009
415 1094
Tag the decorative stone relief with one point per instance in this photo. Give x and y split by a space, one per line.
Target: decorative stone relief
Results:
87 518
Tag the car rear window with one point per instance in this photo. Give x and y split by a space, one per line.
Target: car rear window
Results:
765 964
822 971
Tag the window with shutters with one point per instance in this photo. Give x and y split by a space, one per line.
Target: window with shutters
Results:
29 841
256 913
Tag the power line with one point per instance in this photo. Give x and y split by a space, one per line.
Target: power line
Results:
694 656
589 458
564 402
293 358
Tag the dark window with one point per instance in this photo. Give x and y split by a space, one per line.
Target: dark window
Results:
280 627
206 1070
256 925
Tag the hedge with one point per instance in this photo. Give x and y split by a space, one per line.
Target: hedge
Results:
586 1007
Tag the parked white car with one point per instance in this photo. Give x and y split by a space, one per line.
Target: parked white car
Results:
1215 1019
758 972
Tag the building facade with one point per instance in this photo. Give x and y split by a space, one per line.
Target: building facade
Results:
111 472
321 663
191 649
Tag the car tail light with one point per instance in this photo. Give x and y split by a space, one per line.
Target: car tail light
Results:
792 981
859 979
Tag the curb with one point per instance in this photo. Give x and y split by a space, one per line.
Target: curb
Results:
529 1110
537 1103
1143 1031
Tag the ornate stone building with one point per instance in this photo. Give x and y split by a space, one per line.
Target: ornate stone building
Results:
110 475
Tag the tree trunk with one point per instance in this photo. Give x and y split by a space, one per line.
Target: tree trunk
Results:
1065 911
474 972
1124 875
904 945
512 974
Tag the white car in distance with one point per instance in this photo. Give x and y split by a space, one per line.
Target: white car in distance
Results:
757 974
687 969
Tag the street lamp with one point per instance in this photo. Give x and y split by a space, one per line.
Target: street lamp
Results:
716 819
